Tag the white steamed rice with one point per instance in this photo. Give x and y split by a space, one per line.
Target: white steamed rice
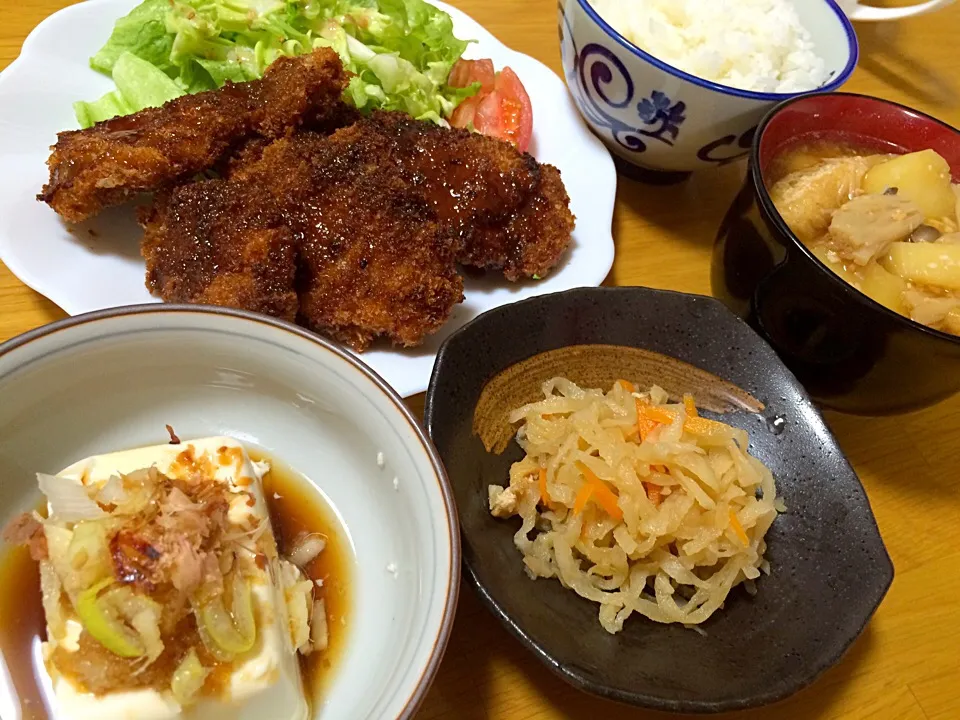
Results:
749 44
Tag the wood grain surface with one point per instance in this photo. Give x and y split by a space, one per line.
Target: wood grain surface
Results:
906 665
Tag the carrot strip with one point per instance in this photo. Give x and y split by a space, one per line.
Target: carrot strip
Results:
738 528
644 425
583 496
693 424
626 385
583 444
604 496
690 406
656 414
703 426
653 493
542 481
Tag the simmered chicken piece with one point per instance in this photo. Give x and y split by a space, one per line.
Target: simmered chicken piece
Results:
863 228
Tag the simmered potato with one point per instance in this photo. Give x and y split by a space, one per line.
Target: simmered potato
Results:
951 322
884 287
928 308
824 255
936 264
923 177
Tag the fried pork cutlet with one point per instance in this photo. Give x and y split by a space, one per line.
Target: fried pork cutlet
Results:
106 164
510 212
207 243
371 261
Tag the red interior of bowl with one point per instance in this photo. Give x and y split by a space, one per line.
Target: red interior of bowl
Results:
858 120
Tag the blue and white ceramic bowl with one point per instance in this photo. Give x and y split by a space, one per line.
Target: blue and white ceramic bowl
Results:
655 117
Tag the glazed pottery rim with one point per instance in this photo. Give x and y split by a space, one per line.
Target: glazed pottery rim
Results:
440 642
576 678
853 56
770 210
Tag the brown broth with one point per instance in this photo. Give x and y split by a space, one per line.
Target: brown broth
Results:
299 508
809 150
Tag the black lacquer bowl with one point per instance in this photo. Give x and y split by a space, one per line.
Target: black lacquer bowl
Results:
830 569
851 353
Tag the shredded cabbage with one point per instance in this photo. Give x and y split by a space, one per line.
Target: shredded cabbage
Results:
298 598
636 504
188 678
68 500
400 51
306 549
89 553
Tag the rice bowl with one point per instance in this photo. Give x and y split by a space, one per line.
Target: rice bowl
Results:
654 115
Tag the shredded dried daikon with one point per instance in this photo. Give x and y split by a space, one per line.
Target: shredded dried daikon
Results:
695 505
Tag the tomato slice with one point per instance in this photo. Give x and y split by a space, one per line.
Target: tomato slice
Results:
501 108
516 110
488 118
465 112
467 72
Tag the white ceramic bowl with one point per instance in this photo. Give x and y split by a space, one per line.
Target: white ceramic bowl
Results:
111 380
653 116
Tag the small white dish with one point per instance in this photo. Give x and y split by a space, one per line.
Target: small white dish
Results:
112 380
655 117
861 12
82 271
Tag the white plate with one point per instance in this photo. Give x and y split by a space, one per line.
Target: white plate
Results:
82 271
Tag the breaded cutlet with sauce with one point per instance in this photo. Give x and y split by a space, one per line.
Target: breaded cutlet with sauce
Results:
108 163
352 258
207 243
510 212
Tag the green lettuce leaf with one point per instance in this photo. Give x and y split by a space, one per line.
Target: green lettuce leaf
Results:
144 33
139 85
400 51
108 106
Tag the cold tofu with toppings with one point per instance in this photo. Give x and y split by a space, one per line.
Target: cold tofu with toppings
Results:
163 590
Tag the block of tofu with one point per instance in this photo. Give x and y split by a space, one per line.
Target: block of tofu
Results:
262 682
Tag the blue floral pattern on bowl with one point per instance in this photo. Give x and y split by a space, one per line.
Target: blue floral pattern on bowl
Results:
599 73
658 108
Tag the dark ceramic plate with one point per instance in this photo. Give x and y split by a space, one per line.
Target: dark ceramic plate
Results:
830 568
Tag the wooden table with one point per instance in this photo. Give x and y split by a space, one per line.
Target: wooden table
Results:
906 665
